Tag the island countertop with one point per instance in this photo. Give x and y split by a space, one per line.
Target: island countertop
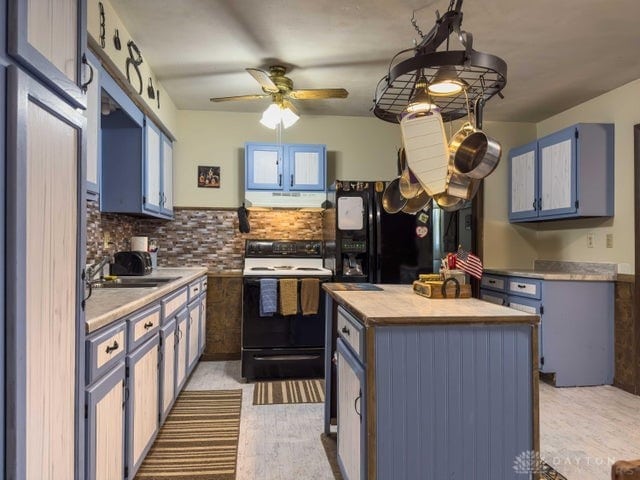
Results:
399 305
108 304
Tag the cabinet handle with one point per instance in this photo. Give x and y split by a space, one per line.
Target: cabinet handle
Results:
355 405
540 203
148 325
291 184
280 180
113 347
534 204
492 282
346 331
84 86
521 286
195 289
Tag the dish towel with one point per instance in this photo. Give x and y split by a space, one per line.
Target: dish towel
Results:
288 296
309 295
268 296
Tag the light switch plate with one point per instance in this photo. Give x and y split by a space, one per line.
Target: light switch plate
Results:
590 239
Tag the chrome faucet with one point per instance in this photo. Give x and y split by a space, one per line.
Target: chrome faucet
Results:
94 269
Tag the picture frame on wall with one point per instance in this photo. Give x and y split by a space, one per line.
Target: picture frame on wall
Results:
208 177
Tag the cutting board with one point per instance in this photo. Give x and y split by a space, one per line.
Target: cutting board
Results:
434 289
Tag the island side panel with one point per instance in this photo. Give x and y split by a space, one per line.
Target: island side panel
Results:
453 401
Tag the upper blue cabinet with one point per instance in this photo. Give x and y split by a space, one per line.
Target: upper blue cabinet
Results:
49 39
567 174
285 175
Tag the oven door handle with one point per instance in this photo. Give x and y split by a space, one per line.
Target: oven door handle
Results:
273 358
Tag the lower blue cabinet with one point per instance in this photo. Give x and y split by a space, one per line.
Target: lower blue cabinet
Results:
193 335
142 402
105 430
168 347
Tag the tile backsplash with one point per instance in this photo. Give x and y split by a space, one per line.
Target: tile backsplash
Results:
198 237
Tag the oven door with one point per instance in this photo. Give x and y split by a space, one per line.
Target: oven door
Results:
279 331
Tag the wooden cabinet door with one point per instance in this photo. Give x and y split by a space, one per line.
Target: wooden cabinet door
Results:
45 254
305 167
351 414
193 335
181 349
167 176
203 323
105 426
142 403
557 160
92 114
167 368
523 195
263 166
48 38
152 166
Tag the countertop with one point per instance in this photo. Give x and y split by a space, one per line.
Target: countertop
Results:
399 305
108 304
556 275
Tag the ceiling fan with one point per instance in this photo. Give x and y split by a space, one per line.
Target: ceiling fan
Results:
280 88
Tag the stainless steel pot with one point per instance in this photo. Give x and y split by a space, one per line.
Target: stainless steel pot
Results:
473 152
448 202
421 201
461 186
392 199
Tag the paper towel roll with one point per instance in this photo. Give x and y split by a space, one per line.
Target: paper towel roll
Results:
139 244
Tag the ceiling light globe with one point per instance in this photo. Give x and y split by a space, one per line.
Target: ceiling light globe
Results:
288 117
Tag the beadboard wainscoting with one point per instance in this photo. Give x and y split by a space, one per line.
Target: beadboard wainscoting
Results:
198 236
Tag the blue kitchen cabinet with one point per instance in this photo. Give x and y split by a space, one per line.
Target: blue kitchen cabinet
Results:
193 335
168 344
576 324
49 40
567 174
3 105
92 114
132 148
142 416
45 329
285 175
105 414
284 167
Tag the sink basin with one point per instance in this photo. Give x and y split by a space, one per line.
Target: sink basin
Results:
133 282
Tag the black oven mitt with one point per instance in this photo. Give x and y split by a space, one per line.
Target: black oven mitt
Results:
243 219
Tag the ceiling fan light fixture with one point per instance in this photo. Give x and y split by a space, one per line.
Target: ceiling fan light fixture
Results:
446 82
276 114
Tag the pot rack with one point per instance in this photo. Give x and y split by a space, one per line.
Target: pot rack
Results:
484 74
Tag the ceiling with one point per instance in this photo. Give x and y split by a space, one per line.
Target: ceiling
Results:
559 53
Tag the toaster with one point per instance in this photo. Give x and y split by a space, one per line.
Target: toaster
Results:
131 263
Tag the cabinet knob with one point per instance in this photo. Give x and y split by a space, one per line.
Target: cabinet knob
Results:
346 331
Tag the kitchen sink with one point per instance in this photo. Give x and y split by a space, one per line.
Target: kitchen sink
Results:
133 282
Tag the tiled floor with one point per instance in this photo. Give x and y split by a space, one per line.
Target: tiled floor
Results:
277 442
582 430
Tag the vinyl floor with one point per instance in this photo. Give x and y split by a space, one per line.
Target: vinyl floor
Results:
583 430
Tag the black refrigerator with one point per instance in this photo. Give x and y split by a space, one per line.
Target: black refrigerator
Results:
364 243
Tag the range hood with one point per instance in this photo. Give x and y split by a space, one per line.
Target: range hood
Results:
285 199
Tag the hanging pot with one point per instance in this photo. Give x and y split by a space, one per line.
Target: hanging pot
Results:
448 202
477 155
409 184
392 199
421 201
461 186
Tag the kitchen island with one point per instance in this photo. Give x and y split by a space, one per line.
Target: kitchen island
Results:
429 388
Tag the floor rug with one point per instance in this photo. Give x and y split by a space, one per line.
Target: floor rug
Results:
289 391
199 439
329 442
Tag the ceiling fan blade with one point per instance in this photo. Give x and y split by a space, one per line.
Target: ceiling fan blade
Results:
239 97
263 79
319 93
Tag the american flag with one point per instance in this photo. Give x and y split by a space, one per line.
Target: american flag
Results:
468 262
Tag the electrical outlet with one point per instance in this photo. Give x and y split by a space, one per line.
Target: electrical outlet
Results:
591 240
609 240
106 239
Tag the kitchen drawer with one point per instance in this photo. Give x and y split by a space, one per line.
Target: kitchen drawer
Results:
526 287
194 289
173 303
352 332
104 350
143 325
524 304
493 297
494 282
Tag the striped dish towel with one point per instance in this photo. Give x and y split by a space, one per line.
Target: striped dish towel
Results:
268 296
288 296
